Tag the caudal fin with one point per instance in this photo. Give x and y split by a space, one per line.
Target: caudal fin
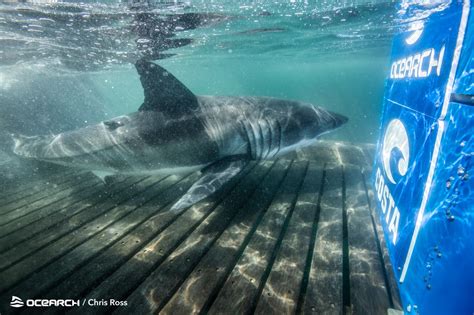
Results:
27 146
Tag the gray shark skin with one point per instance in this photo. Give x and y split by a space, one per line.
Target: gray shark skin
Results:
176 131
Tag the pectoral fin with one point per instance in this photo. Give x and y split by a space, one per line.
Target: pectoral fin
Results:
213 178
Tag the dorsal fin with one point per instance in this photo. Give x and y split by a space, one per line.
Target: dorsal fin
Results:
163 92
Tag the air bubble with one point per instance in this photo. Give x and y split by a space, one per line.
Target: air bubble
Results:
448 184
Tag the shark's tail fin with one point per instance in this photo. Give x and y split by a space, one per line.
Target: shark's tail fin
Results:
26 146
17 141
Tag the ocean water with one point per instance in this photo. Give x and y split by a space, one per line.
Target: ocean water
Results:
65 65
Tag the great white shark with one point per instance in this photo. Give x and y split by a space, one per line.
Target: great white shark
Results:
175 131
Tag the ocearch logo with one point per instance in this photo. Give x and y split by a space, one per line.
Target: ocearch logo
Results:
420 64
416 29
396 138
16 302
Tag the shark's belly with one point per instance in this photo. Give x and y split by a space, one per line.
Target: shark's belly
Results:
168 159
135 155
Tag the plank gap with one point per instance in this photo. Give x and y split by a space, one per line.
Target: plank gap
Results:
309 257
346 286
35 269
56 237
377 241
212 242
243 246
276 249
220 196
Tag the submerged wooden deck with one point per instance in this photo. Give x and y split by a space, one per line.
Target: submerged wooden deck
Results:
296 235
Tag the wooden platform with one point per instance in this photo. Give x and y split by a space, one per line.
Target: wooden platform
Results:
295 235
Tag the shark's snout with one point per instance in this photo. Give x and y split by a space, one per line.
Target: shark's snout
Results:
339 119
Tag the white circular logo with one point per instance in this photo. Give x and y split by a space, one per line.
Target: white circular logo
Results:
396 137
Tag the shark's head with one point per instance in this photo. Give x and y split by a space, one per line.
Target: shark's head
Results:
305 122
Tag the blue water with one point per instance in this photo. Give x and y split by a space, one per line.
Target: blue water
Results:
66 65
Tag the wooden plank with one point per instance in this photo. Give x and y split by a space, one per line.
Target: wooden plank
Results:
17 199
203 283
108 260
322 152
161 284
351 154
22 231
192 261
392 286
56 249
367 282
71 226
369 152
79 277
40 283
15 172
282 289
81 191
44 198
28 187
250 273
132 273
323 293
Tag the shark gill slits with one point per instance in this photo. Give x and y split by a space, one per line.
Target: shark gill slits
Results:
262 140
246 135
270 137
253 136
249 132
257 131
279 137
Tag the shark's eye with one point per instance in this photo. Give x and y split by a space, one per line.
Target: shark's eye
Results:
113 124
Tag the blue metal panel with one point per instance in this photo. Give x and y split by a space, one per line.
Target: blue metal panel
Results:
422 55
440 278
424 158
